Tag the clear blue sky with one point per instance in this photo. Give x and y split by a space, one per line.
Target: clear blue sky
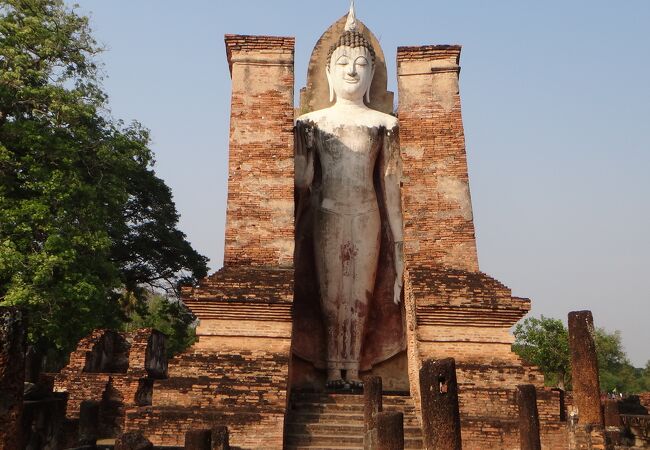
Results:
556 107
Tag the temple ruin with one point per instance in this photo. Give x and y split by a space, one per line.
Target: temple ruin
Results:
257 367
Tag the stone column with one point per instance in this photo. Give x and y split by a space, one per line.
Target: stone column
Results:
198 440
612 413
528 417
372 405
439 402
220 439
584 368
613 424
390 431
12 377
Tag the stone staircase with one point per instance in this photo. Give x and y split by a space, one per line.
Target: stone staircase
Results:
327 421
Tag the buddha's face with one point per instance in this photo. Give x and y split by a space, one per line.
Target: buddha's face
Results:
350 72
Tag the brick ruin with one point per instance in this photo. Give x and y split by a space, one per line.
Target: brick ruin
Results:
237 373
116 372
244 373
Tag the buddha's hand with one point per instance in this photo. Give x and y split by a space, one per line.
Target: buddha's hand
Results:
399 272
397 291
303 161
304 139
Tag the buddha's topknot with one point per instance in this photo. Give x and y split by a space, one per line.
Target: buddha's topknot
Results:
352 39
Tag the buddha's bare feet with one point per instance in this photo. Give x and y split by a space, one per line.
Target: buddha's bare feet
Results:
335 384
334 379
352 377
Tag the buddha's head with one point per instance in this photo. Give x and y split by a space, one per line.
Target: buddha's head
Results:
351 66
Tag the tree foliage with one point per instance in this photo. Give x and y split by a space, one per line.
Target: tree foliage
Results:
86 226
168 316
544 342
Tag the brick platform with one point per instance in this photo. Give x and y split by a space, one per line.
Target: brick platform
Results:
237 373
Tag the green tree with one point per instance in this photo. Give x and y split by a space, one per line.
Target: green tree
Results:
169 316
616 371
544 342
86 227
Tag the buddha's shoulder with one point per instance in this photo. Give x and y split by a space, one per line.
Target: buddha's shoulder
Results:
312 117
380 119
329 116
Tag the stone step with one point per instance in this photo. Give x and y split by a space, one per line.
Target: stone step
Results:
319 421
407 446
336 418
340 429
351 407
313 447
320 397
337 441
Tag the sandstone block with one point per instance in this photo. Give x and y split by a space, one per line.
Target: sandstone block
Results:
198 440
133 440
390 431
439 403
220 439
584 368
528 417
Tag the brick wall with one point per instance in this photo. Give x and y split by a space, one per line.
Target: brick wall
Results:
467 316
237 373
115 391
259 218
438 221
644 399
242 389
490 419
586 437
464 315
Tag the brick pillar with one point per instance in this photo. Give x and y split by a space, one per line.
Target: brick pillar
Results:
198 440
439 403
438 221
390 431
528 417
88 422
259 218
612 413
584 368
220 439
12 377
372 405
614 429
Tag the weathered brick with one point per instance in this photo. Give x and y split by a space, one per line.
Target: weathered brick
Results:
438 221
259 217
